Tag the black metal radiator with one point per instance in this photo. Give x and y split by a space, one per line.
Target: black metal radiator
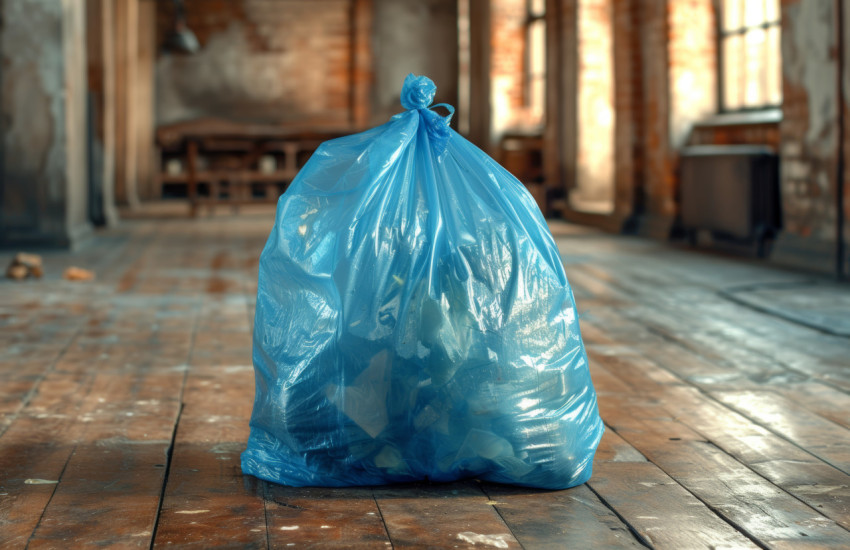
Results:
731 191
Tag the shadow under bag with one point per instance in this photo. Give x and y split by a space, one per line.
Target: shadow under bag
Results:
414 321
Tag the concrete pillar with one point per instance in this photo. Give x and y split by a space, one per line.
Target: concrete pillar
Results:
43 174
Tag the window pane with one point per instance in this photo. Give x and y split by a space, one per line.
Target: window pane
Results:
537 47
756 65
732 85
732 14
771 11
537 7
538 98
753 12
774 66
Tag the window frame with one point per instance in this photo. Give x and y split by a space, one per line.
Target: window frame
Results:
722 36
532 18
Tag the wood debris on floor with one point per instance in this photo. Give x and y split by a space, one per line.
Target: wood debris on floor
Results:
124 406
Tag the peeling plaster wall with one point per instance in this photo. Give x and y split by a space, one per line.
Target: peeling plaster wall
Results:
42 104
809 134
413 36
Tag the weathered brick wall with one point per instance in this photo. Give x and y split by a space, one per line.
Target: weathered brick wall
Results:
507 18
627 113
809 134
510 112
286 61
658 176
693 65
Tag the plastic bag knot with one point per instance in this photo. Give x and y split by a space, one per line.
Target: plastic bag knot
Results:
438 127
417 92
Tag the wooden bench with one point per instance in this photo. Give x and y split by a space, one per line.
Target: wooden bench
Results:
236 163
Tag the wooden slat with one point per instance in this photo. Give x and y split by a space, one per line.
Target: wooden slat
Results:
323 518
738 494
32 449
824 439
37 446
444 515
118 463
718 425
657 393
660 510
574 518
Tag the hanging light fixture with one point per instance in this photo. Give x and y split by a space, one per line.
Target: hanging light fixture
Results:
181 39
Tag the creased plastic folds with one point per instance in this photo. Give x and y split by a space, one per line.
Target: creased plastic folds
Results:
414 321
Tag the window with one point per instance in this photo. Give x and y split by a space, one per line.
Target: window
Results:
750 56
535 59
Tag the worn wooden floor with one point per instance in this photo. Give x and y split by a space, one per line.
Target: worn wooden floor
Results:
124 406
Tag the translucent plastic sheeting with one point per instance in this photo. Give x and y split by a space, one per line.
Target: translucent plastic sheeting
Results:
414 321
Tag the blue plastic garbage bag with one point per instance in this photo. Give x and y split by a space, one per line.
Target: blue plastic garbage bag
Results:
414 321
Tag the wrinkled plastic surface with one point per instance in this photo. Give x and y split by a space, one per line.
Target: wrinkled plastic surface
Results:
414 321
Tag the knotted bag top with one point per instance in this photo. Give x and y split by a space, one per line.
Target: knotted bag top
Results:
417 94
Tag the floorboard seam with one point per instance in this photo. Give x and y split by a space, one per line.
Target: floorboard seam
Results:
383 521
265 486
696 429
34 389
661 333
625 522
682 345
709 395
52 494
499 512
729 294
842 469
716 511
168 458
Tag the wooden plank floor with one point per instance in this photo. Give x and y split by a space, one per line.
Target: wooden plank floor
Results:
124 405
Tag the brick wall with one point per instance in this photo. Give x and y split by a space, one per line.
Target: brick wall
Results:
658 177
287 61
507 18
510 112
627 114
693 60
809 135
